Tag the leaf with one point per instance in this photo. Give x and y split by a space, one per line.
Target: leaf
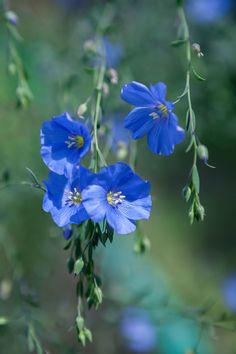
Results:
78 266
178 42
67 246
190 144
195 179
198 76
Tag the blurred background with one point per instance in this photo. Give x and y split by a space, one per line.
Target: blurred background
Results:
189 269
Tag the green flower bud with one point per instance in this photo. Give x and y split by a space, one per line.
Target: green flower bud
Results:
203 152
186 192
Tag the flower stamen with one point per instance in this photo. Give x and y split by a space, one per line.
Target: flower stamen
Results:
76 141
154 115
164 110
115 198
74 197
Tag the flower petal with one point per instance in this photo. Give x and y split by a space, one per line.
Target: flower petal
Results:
137 94
137 209
159 140
95 202
140 121
121 224
177 133
159 91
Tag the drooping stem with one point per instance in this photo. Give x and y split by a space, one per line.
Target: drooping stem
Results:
192 189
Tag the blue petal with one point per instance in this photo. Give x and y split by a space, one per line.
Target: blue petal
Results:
164 135
63 216
137 209
95 202
139 121
159 91
177 133
121 224
137 94
159 139
55 185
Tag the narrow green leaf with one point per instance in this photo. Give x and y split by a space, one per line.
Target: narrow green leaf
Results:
198 76
195 179
178 42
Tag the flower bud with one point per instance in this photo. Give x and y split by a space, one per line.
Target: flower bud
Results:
203 152
89 44
105 89
82 109
199 212
196 48
113 76
122 150
12 68
11 18
186 192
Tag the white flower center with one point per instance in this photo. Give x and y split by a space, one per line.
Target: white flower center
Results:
115 198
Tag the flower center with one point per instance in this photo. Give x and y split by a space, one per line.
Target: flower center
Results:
75 141
115 198
164 110
74 197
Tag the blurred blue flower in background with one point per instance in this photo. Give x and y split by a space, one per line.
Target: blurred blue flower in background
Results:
138 330
205 11
114 52
229 292
119 137
71 4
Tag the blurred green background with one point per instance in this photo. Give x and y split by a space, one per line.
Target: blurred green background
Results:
187 266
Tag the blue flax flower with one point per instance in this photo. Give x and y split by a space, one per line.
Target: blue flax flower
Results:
153 117
63 196
118 195
229 292
138 330
64 142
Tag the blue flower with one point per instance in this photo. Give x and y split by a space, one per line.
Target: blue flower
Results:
119 138
138 330
153 117
207 11
63 142
118 195
229 292
63 196
114 52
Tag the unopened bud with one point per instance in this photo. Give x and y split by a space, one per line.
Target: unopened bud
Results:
105 89
12 68
199 212
113 76
186 193
122 150
82 109
11 18
89 44
196 48
203 152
